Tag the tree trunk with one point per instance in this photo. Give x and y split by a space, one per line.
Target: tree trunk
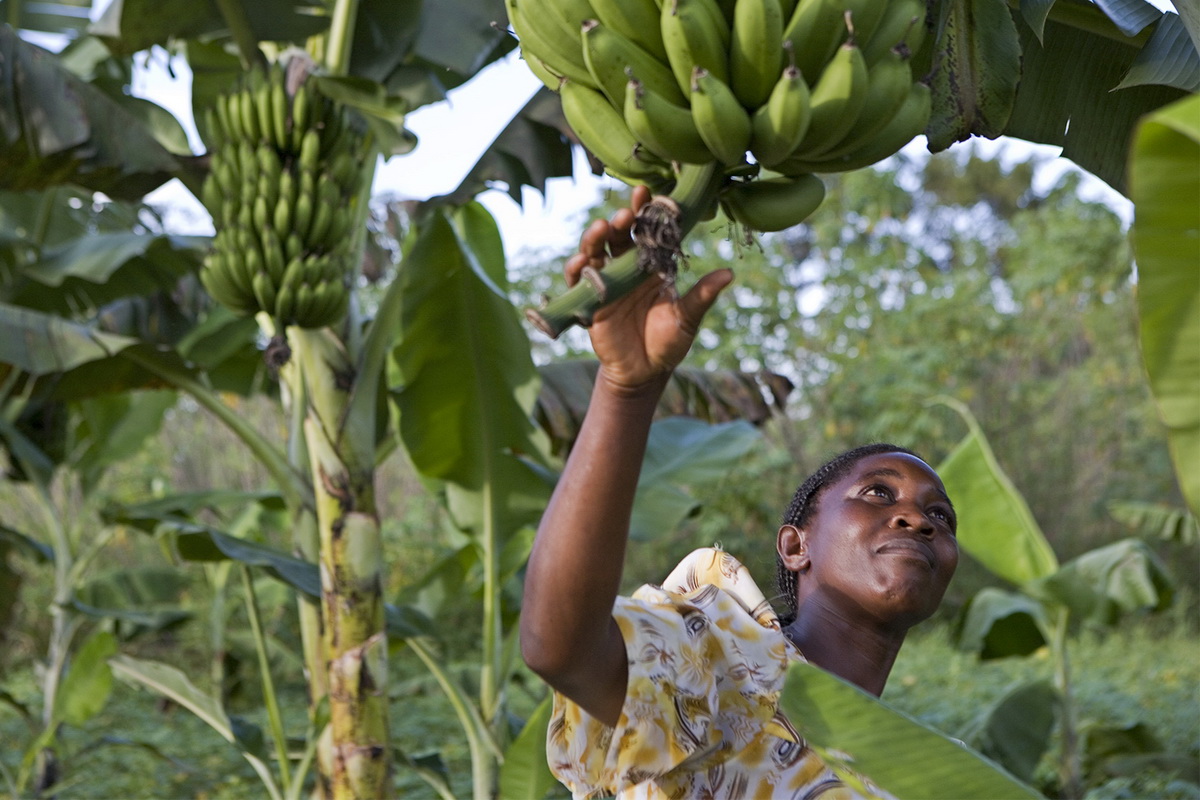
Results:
351 564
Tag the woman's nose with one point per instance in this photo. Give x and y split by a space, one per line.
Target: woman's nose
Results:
912 518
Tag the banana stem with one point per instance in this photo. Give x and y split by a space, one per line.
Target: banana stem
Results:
695 192
234 14
341 36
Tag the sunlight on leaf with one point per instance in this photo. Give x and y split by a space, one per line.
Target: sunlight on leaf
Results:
995 525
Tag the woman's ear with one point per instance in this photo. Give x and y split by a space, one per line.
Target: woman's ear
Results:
792 545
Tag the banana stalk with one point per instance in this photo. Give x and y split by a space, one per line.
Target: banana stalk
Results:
351 563
695 193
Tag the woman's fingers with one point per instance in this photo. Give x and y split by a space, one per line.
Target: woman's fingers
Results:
605 238
591 251
619 239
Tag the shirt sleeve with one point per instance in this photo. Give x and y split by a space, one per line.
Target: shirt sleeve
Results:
704 680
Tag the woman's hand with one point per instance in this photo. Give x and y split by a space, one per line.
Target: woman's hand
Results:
641 337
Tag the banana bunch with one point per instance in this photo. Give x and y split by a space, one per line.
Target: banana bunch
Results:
283 186
802 86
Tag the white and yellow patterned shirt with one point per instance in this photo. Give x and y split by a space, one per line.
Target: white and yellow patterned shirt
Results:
700 721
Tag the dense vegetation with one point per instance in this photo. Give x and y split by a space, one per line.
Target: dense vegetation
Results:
919 254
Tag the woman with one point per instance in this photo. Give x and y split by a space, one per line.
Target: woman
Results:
673 692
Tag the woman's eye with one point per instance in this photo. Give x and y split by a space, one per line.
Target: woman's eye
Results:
879 491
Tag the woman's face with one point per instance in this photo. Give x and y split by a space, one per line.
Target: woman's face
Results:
881 541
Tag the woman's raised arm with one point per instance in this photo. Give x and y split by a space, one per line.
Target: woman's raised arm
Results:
568 635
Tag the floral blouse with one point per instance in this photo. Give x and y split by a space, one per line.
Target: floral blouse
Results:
707 659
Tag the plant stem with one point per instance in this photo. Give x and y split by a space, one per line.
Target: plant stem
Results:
62 629
234 14
351 561
274 718
341 36
490 670
695 192
1069 767
483 748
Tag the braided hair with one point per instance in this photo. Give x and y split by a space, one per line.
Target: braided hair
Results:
804 505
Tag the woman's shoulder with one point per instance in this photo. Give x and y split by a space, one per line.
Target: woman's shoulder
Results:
711 577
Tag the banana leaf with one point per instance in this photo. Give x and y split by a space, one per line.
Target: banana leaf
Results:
1165 177
860 736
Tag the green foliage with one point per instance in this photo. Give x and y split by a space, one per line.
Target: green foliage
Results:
854 732
1166 181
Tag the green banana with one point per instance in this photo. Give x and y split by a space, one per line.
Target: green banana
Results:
324 304
722 122
249 115
603 131
287 194
223 171
269 165
237 272
262 109
665 129
268 189
273 258
231 109
549 78
304 304
864 17
264 291
293 246
837 100
568 14
213 135
221 109
903 25
282 216
755 50
538 34
310 151
261 214
695 33
902 128
815 30
302 218
217 281
336 301
301 109
612 59
779 125
210 195
889 82
339 226
637 21
773 204
285 307
322 212
279 114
